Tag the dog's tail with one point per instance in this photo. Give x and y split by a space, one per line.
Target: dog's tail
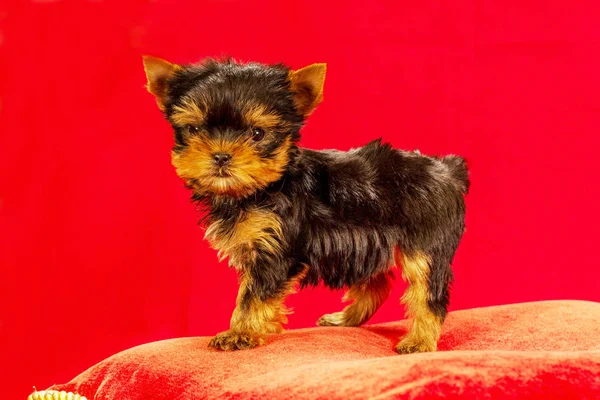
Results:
459 170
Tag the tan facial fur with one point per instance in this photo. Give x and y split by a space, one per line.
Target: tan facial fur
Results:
248 171
188 113
258 115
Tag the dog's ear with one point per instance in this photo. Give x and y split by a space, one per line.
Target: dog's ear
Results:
159 72
307 85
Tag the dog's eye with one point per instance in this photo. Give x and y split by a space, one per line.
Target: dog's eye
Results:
258 134
192 129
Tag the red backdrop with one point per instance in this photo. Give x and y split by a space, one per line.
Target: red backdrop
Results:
99 246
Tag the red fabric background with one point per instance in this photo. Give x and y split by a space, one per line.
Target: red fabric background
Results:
99 247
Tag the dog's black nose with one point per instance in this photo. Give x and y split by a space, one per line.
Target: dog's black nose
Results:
221 158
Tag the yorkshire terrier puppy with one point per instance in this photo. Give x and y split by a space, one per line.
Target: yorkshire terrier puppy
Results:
286 215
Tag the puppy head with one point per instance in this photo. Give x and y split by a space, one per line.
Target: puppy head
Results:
236 125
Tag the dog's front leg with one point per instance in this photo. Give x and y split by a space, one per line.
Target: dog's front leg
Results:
259 308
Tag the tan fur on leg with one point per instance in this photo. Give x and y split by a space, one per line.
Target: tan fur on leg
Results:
367 297
426 329
254 318
262 317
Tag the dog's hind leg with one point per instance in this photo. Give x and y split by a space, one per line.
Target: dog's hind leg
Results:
426 300
367 298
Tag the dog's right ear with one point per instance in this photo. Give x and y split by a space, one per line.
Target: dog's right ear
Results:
159 72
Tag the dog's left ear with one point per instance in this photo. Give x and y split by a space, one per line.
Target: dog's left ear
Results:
159 72
307 85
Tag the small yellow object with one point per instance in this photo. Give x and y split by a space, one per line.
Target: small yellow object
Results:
54 395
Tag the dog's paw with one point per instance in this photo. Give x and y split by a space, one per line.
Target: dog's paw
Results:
334 319
409 345
231 340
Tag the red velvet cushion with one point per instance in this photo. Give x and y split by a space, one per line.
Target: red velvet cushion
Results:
545 350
